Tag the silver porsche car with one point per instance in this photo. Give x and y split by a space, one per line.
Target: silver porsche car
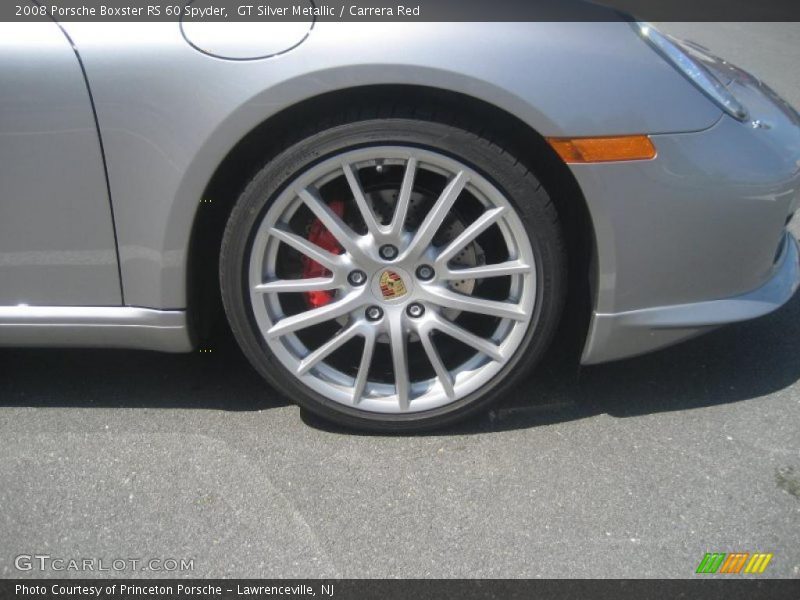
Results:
398 222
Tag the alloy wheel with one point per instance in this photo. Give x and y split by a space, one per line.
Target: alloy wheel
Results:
392 279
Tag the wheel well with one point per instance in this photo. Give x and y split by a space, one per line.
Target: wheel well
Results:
291 124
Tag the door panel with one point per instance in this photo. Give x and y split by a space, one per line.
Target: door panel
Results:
56 233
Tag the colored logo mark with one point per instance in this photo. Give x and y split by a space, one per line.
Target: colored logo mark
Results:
392 285
732 563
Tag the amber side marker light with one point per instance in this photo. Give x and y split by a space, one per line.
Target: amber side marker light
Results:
603 149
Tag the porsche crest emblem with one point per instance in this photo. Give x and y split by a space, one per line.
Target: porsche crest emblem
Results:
392 285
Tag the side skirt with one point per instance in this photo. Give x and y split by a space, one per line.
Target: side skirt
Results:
95 327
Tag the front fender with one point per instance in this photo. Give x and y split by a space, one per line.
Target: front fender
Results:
170 114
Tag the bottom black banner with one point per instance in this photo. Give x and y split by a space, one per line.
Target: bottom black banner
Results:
416 589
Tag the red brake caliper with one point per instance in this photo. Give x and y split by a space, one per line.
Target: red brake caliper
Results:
318 234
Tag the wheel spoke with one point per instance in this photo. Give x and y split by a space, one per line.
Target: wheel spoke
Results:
314 284
512 267
337 341
436 362
363 367
332 222
470 339
435 217
404 198
400 361
474 304
361 201
314 316
477 227
302 245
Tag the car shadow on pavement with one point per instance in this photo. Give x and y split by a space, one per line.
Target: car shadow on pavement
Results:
735 363
215 376
739 362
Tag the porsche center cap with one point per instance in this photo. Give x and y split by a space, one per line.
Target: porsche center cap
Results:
392 286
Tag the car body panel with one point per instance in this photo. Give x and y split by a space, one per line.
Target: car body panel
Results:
692 233
166 130
699 228
701 221
56 232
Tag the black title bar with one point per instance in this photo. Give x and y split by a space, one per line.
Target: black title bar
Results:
402 10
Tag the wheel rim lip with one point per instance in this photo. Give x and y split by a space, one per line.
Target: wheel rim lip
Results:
381 397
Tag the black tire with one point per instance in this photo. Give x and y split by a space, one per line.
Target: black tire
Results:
486 156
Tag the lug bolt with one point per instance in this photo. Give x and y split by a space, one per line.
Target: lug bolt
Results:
374 313
415 310
388 252
425 272
357 277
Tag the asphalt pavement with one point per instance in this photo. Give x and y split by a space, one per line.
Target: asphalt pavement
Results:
632 469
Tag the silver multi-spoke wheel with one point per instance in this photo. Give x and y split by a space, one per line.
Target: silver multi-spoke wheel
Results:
392 279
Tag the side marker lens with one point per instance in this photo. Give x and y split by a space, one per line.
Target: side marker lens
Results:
603 149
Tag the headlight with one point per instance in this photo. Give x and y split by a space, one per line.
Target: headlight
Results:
695 72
